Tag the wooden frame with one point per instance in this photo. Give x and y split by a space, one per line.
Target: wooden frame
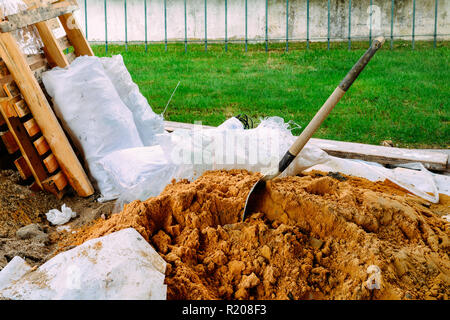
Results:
46 153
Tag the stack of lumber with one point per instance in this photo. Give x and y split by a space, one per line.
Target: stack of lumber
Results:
29 128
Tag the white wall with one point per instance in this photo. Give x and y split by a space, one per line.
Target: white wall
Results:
424 24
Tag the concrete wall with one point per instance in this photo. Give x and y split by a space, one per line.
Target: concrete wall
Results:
424 24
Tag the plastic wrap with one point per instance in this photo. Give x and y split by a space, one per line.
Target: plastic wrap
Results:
186 154
29 40
90 109
148 123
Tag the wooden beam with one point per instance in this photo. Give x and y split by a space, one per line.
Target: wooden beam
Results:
380 154
75 35
350 150
44 116
35 15
52 48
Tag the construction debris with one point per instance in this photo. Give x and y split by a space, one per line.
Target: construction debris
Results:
119 266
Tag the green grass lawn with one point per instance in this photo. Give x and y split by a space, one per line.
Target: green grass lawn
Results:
402 95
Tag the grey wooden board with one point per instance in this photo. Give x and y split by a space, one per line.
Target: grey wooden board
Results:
32 16
350 150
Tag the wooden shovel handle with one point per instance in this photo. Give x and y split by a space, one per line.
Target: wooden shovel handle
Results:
334 98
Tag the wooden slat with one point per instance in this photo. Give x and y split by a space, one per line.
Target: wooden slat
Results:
31 127
59 180
64 43
35 58
71 56
351 150
44 116
8 108
23 168
41 146
75 35
52 48
9 142
21 108
11 89
3 69
33 16
51 164
380 154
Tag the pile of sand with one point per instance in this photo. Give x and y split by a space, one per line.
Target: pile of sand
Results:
314 237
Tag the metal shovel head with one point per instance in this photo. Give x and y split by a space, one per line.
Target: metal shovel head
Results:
253 197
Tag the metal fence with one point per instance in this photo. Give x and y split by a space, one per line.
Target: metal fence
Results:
392 36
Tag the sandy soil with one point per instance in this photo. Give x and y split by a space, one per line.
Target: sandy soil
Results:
319 236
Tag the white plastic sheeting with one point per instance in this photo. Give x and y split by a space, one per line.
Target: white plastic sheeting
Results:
118 266
186 154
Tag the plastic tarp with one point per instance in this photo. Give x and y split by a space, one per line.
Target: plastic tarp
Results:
186 154
118 266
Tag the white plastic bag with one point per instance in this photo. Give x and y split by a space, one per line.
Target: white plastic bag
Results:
58 218
90 109
148 123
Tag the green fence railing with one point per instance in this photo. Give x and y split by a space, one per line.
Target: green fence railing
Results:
266 37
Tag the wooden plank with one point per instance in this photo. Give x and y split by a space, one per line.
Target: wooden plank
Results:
26 147
23 168
9 142
70 57
51 164
8 108
31 127
51 45
75 35
41 146
350 150
11 89
3 69
21 108
380 154
59 180
44 116
33 16
35 58
64 43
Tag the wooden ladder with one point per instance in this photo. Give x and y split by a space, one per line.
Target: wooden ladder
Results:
27 118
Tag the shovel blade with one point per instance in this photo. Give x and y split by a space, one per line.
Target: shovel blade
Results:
253 198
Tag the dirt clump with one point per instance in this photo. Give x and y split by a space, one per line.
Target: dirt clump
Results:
312 237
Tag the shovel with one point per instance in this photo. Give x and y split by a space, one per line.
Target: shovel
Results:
254 194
